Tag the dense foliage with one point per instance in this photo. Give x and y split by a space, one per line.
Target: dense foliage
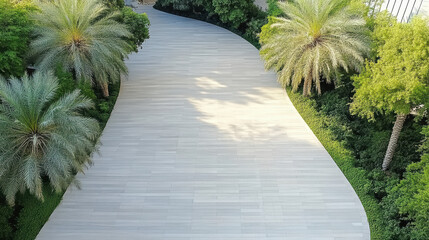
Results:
397 81
413 194
137 23
79 35
14 36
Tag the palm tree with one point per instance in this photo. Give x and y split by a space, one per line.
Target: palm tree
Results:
40 137
83 37
315 40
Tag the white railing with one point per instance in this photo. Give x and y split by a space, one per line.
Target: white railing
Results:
403 10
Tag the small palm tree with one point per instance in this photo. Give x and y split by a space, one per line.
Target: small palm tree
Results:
82 36
41 137
313 41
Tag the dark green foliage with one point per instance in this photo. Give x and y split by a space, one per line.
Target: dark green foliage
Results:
412 194
68 84
273 9
34 213
6 214
14 36
115 4
233 12
138 25
181 5
103 106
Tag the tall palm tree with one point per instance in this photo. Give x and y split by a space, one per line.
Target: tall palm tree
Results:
83 37
42 137
315 40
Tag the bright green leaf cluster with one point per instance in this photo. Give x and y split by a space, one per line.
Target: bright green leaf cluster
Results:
399 80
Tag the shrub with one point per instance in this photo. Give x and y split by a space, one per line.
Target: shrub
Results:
33 214
413 194
273 8
233 12
15 35
137 24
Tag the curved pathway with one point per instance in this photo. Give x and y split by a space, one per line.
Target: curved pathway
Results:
203 144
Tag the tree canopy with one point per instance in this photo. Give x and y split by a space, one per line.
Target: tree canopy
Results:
398 80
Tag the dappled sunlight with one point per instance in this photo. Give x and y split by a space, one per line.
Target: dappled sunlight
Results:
208 83
253 119
257 114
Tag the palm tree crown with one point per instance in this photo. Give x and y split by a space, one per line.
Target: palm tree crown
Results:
41 137
314 40
82 36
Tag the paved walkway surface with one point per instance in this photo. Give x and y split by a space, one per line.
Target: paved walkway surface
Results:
261 3
204 144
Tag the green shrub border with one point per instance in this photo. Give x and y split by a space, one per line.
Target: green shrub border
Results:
339 153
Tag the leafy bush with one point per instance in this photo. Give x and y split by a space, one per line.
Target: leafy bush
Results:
233 12
138 25
6 214
33 214
273 8
15 35
114 4
181 5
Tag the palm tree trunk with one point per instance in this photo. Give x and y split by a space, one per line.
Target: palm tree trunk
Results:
393 142
307 84
304 89
105 88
